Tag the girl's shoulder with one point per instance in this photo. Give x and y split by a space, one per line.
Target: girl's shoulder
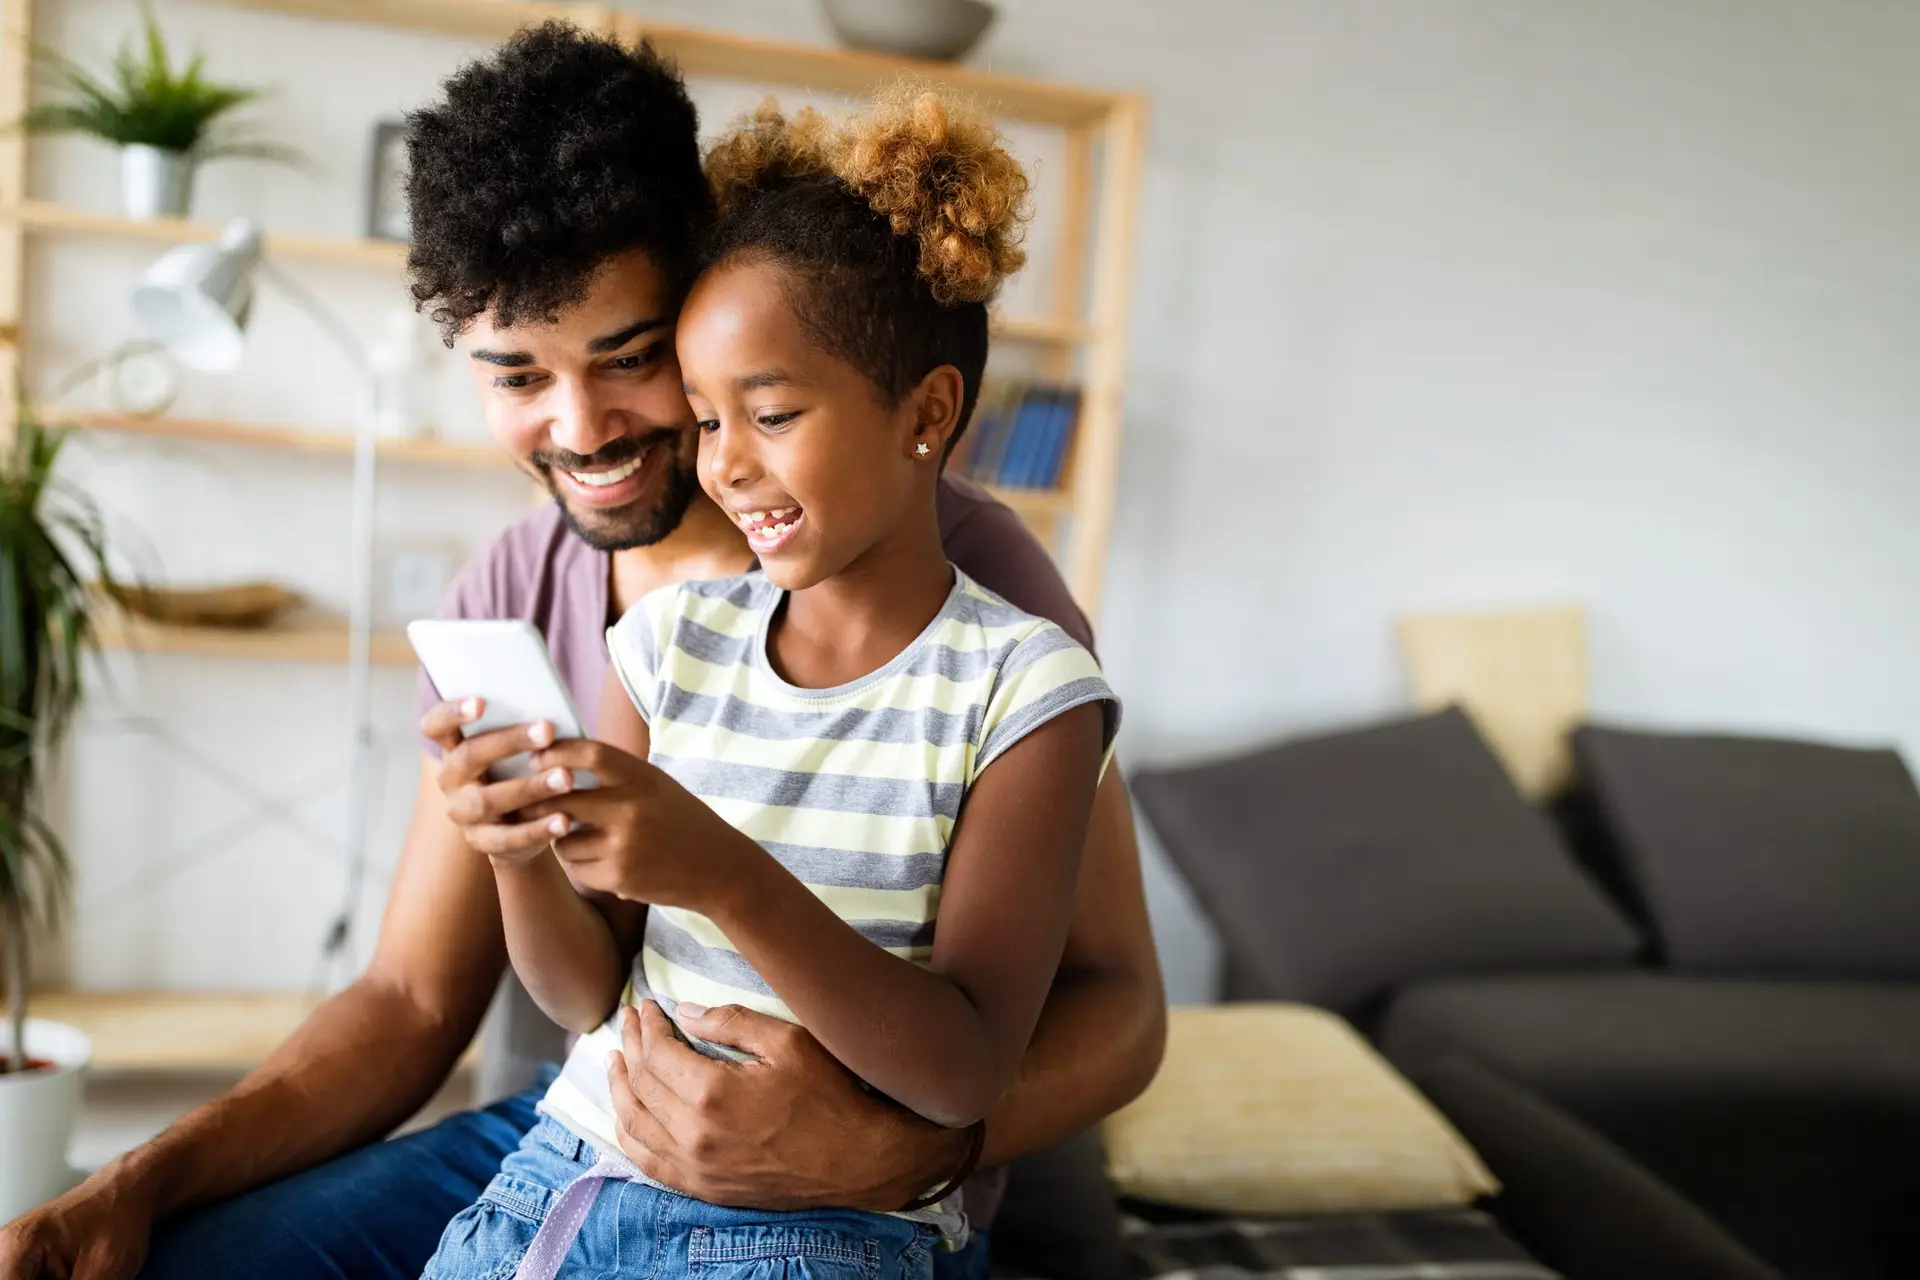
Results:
995 624
719 604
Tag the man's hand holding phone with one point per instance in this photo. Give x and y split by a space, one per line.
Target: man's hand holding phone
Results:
638 834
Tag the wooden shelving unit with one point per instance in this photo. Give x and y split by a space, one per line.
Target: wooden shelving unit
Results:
1086 324
1082 333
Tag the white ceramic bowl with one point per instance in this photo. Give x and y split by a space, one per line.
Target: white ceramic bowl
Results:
943 30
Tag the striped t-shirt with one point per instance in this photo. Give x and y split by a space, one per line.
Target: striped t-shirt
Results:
854 789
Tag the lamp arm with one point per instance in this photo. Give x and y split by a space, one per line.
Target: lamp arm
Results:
318 312
363 780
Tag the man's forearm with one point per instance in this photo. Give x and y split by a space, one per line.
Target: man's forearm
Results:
1097 1046
361 1065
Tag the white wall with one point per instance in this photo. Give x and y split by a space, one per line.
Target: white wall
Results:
1440 304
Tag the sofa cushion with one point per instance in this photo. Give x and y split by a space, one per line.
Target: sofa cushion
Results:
1338 867
1761 856
1276 1108
1788 1109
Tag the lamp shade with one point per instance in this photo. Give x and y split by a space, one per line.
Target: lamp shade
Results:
194 300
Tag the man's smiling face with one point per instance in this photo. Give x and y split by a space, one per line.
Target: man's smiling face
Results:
591 403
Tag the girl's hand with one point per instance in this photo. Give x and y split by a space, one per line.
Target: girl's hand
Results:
639 835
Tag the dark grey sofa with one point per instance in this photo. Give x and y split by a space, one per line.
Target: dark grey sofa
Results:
1741 1014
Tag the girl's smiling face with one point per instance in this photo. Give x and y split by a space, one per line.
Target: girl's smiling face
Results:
797 445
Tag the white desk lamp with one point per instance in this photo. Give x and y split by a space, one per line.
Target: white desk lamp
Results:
195 301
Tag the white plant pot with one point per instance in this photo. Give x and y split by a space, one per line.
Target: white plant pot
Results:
155 183
37 1114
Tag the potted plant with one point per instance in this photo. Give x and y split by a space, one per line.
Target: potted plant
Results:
52 544
166 122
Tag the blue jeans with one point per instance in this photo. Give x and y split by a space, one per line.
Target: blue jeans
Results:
635 1229
377 1213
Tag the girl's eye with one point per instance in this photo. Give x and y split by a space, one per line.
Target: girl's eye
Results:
708 424
777 419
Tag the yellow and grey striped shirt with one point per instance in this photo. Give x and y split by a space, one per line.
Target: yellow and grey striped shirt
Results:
854 789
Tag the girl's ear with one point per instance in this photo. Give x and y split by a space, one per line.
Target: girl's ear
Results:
936 414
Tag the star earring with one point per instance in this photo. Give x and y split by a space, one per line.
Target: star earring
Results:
922 449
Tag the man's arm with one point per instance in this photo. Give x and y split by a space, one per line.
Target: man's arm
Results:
439 957
1104 1026
793 1129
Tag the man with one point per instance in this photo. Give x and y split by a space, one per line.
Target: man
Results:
557 198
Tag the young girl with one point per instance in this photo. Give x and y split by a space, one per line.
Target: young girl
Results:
867 779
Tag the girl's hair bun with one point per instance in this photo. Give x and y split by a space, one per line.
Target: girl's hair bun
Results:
936 171
934 168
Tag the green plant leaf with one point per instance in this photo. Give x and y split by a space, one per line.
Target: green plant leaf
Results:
52 549
143 101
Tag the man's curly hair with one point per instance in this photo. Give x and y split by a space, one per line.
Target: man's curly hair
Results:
540 162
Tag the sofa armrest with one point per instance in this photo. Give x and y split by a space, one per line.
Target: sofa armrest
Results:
1574 1199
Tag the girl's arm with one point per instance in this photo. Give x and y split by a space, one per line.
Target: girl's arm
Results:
945 1042
573 951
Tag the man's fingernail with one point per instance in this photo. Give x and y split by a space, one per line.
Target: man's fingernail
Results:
557 780
558 824
541 734
688 1009
470 708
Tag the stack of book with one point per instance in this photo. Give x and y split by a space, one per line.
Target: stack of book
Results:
1021 434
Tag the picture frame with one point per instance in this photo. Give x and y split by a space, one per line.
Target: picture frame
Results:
387 183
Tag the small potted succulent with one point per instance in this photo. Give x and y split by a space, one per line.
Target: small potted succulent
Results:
52 545
166 122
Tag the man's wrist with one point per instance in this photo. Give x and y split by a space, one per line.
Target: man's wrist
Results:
931 1154
133 1183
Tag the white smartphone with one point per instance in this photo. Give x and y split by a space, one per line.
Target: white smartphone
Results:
503 662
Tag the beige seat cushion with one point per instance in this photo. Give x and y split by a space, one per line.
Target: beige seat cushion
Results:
1279 1108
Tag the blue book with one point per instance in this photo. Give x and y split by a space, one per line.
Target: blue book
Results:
1029 426
995 414
1065 423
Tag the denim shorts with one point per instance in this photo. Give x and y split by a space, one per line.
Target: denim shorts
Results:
639 1232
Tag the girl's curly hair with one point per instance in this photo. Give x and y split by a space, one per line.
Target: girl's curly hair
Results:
899 224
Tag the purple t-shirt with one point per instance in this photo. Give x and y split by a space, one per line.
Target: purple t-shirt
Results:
541 571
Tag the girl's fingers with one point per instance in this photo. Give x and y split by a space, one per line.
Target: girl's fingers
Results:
506 840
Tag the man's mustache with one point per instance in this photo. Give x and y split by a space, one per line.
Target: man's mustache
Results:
610 454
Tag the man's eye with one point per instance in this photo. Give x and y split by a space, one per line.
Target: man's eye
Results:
513 381
637 360
708 424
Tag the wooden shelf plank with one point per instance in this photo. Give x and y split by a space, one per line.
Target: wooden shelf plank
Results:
712 53
303 637
40 216
469 19
1049 332
299 439
1034 505
183 1030
825 67
177 1031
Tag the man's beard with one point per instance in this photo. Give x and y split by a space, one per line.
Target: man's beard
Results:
638 524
